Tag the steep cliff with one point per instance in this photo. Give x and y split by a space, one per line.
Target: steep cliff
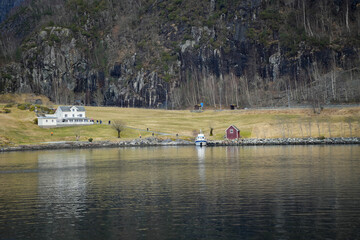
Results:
178 53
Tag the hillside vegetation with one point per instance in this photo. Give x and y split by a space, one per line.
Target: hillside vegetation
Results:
177 53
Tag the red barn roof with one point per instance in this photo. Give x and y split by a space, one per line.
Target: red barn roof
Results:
233 127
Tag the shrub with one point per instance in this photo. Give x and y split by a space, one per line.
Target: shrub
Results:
9 105
21 107
6 110
167 77
54 38
46 110
35 121
90 139
321 138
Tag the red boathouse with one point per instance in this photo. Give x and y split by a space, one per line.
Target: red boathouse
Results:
232 132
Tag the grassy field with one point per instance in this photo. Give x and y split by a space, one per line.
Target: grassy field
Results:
18 127
252 123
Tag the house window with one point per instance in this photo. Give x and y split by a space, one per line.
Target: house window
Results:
80 115
65 115
46 120
73 115
52 120
231 130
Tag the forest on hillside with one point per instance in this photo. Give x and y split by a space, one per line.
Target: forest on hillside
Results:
178 53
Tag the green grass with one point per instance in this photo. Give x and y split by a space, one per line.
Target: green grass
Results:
17 127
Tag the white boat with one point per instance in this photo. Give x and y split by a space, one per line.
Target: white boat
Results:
200 140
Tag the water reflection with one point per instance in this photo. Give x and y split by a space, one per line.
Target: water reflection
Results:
62 190
295 192
201 163
66 175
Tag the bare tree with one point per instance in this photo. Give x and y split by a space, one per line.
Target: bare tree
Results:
347 16
99 97
211 129
118 125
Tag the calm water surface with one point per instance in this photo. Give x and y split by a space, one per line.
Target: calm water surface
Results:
291 192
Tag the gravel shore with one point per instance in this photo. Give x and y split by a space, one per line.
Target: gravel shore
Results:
168 142
285 141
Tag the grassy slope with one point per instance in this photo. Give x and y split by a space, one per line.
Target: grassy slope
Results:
18 127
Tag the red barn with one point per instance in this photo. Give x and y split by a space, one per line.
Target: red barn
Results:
232 132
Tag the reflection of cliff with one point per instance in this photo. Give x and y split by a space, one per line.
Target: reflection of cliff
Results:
18 186
62 184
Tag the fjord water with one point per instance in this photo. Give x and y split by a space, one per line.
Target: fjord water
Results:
277 192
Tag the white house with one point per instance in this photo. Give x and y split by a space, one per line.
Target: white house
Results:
65 116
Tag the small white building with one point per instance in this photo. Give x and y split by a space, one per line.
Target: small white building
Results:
65 116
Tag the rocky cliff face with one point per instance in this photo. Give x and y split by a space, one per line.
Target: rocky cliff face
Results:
178 53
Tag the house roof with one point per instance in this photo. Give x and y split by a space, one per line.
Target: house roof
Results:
75 118
47 117
233 127
68 108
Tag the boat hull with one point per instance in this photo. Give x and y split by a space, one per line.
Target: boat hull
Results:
200 143
200 140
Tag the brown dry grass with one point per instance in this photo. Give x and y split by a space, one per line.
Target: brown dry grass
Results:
252 123
18 127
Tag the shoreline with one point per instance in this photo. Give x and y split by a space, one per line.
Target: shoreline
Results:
167 142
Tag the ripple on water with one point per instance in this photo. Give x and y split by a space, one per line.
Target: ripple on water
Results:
285 192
